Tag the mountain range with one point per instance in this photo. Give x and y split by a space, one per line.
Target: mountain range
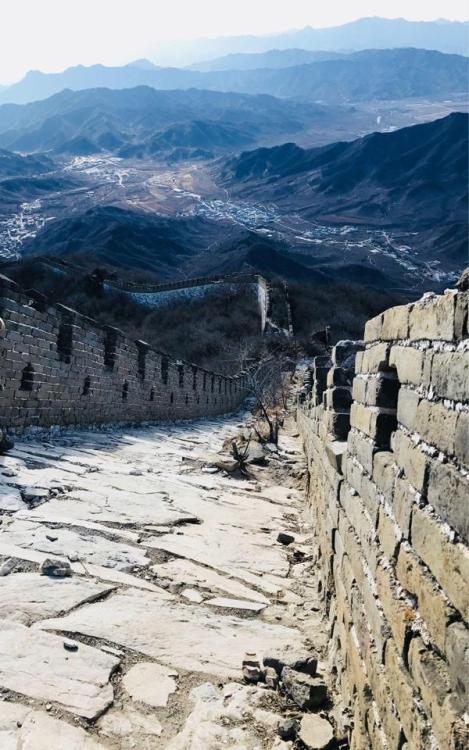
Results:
364 33
126 238
146 122
415 177
274 58
25 177
410 183
360 76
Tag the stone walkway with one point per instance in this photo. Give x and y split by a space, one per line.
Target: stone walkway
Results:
176 573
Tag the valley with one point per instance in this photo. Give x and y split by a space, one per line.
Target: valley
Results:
190 190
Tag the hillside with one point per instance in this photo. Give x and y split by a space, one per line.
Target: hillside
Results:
414 177
14 165
125 239
88 121
361 76
27 177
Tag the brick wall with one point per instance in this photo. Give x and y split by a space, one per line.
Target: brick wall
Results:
385 426
58 367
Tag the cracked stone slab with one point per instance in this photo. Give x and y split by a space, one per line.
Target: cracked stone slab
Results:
150 683
175 634
10 499
89 571
221 546
110 505
37 665
25 728
91 548
59 512
131 728
27 597
189 573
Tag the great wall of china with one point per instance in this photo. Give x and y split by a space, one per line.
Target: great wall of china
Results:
385 429
385 426
59 367
155 296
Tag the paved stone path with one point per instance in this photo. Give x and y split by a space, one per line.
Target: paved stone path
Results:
176 572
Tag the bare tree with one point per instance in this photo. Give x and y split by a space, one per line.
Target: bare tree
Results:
267 378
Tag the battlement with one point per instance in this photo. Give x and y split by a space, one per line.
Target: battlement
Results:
275 318
385 424
62 368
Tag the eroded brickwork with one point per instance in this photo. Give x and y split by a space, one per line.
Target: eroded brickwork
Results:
387 442
61 368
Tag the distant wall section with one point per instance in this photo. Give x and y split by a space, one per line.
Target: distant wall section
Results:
61 368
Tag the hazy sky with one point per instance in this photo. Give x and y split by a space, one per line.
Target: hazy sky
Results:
51 35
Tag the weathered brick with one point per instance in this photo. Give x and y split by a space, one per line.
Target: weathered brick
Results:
408 363
403 501
373 329
385 472
373 360
432 603
448 493
361 523
362 448
337 424
378 390
447 560
411 458
359 389
389 533
396 323
431 679
450 375
413 720
436 318
399 614
457 657
335 452
436 425
339 376
338 398
461 438
407 404
377 424
344 352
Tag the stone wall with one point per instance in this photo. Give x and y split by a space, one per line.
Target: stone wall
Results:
61 368
387 444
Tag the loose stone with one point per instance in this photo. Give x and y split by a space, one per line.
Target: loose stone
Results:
288 730
307 692
285 538
7 567
315 733
55 568
70 645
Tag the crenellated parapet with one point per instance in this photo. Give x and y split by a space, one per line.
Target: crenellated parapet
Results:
389 493
59 367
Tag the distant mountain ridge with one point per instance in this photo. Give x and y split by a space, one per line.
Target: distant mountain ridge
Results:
274 58
366 75
14 165
25 177
364 33
413 177
143 121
